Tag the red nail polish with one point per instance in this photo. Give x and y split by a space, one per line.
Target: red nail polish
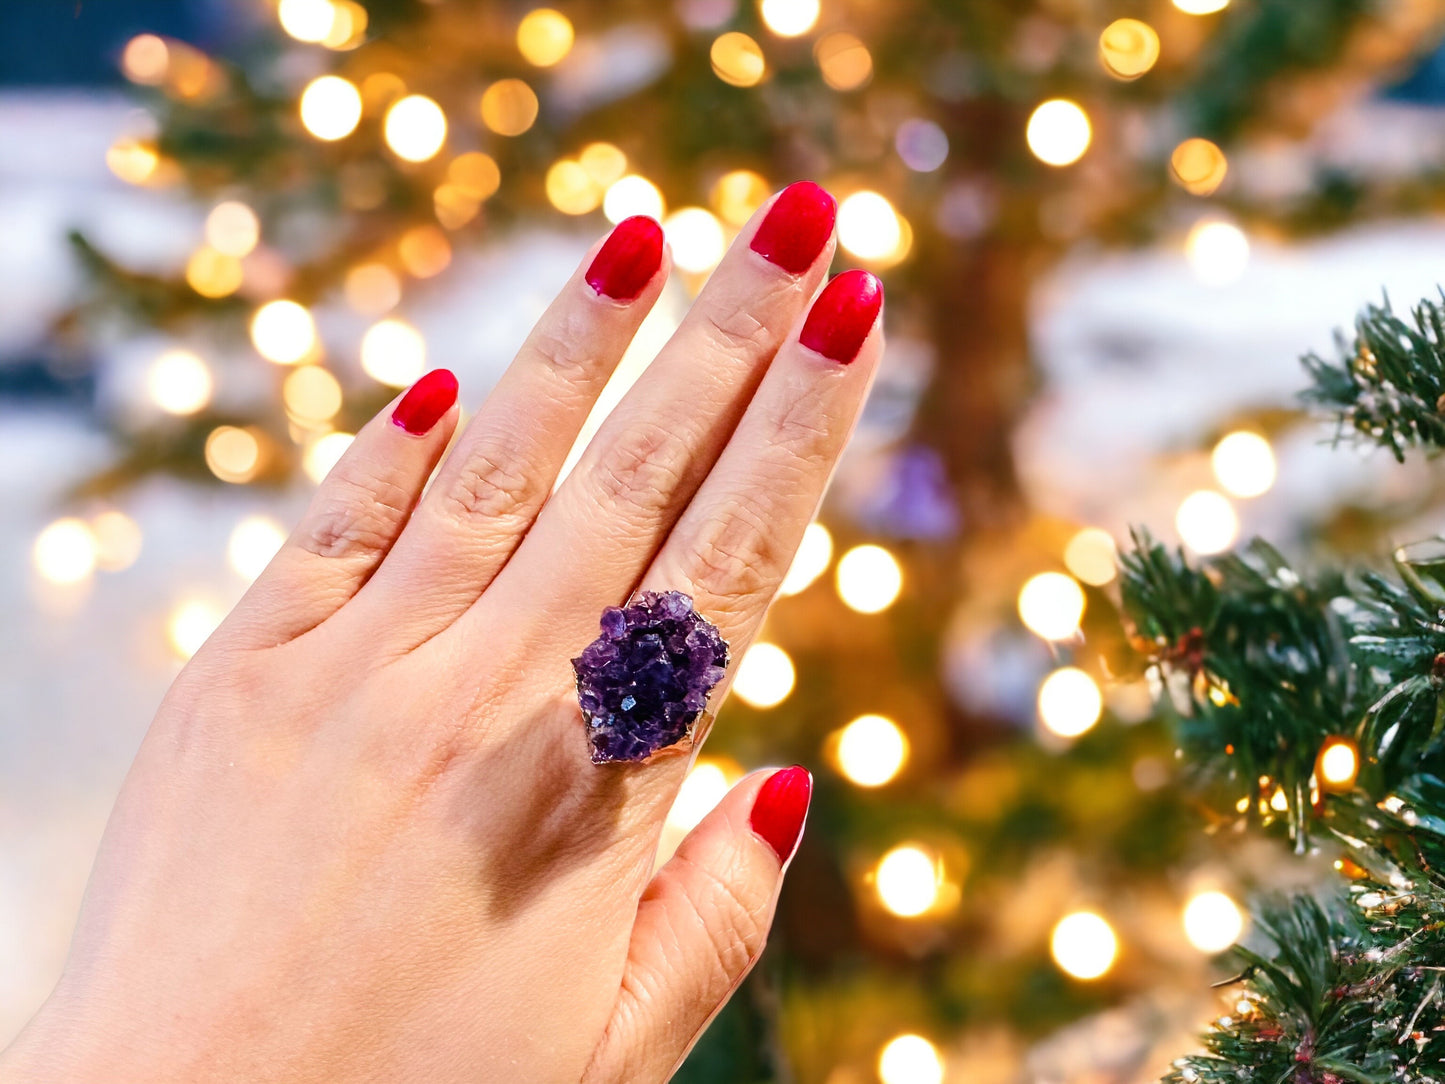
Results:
780 808
628 259
797 226
425 402
843 315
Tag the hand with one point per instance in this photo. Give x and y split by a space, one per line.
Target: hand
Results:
363 839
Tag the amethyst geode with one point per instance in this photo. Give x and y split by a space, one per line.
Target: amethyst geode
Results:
643 683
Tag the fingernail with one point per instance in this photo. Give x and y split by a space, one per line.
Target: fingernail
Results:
425 402
780 808
797 226
844 313
628 259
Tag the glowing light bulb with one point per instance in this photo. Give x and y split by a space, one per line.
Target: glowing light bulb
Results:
424 251
283 332
815 552
330 108
843 60
118 540
415 128
509 107
869 579
737 59
765 676
702 789
311 394
323 454
1128 48
696 237
868 226
1217 251
133 161
910 1059
1244 464
1206 522
307 20
146 60
233 228
1212 922
871 750
1339 764
179 382
908 879
544 37
372 289
191 624
632 195
394 353
1201 7
571 189
232 454
789 18
348 25
1059 132
214 274
476 174
254 541
65 552
1199 166
1092 556
737 194
1052 605
1070 702
604 162
1084 945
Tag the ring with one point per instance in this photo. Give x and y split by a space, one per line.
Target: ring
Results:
643 684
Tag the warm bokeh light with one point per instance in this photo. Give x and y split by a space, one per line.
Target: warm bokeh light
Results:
253 542
1128 48
1198 166
331 108
1217 251
789 18
1070 702
146 60
424 251
571 189
1212 921
283 332
233 455
868 226
1206 522
179 382
908 880
322 454
394 353
1244 464
65 552
544 37
509 107
736 195
132 160
843 60
704 786
311 394
604 162
454 207
1051 605
372 289
214 274
118 540
765 676
815 553
737 59
1092 556
632 195
348 25
380 89
696 237
869 579
415 128
1084 945
233 228
476 174
1059 132
191 624
871 750
1201 7
307 20
910 1059
1339 764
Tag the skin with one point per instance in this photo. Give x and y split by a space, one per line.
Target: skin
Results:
362 839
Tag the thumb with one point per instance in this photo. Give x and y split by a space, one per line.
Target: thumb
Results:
701 925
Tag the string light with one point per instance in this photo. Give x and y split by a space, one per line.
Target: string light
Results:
632 195
1128 48
696 237
1244 464
132 160
232 454
233 228
1199 166
702 789
869 579
454 207
311 394
380 89
476 174
348 25
1084 945
737 59
1206 522
1092 556
1212 921
908 880
789 18
571 189
372 289
843 60
910 1059
253 542
1070 702
868 226
1201 7
307 20
1051 605
118 540
871 750
815 553
603 161
415 128
1059 132
544 37
146 60
424 251
393 353
765 676
509 107
179 382
191 624
65 552
214 274
323 453
283 332
330 107
1339 764
1218 251
737 194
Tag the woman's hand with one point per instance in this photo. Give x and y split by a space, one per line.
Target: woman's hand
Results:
363 839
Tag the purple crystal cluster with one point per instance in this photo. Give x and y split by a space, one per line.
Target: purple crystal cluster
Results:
643 683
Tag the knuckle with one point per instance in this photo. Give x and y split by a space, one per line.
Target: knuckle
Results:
354 519
800 426
643 469
563 347
735 555
736 925
490 485
736 332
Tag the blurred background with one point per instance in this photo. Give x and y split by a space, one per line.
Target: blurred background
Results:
231 229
